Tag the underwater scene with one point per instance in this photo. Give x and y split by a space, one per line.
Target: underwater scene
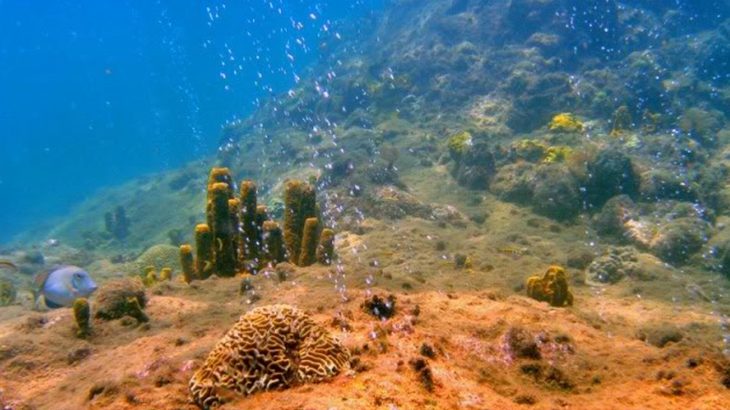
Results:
367 204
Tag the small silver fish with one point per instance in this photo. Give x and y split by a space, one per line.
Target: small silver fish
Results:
62 285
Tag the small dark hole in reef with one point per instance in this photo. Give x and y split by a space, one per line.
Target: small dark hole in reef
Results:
379 307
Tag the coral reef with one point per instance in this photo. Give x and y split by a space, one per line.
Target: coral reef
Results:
552 287
615 264
121 297
82 315
270 347
157 257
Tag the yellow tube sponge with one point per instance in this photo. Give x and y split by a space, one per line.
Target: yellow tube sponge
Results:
308 253
248 219
234 209
187 263
204 256
326 246
299 204
166 274
82 315
273 243
220 175
219 220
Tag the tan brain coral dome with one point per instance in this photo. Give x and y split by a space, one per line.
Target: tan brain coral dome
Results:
271 347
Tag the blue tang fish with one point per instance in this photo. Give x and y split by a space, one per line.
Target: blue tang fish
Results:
62 285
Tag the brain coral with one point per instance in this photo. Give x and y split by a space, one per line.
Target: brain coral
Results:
270 347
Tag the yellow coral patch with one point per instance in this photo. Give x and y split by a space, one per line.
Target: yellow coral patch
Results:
565 122
459 143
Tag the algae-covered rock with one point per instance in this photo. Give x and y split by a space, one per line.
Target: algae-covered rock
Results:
678 239
611 173
121 297
8 292
610 221
660 334
393 203
657 184
613 265
476 167
514 182
556 193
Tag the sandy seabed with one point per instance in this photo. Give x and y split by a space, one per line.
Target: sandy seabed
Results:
583 357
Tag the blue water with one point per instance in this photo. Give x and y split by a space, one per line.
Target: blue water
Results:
94 93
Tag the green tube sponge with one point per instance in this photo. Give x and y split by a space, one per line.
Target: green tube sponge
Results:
307 255
248 219
204 256
326 246
273 243
82 314
187 263
299 204
219 220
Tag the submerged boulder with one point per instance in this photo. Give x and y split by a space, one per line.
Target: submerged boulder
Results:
556 193
676 241
613 265
514 182
475 167
611 173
